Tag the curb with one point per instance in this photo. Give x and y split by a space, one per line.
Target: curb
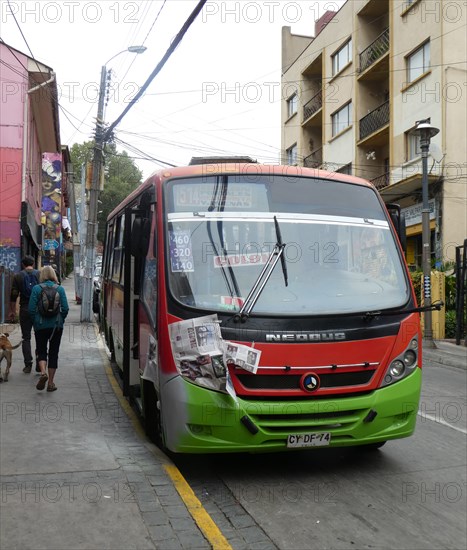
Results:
445 360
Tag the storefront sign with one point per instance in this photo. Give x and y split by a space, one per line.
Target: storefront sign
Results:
413 214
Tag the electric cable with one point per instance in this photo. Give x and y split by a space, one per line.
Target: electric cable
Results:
159 66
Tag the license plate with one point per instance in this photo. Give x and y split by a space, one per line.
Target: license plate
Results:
309 440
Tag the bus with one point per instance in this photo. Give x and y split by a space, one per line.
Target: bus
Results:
254 308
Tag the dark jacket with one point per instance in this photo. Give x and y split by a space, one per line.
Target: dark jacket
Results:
40 322
17 287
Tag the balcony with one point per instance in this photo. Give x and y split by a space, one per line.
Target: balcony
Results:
314 159
380 182
407 178
373 121
374 51
313 106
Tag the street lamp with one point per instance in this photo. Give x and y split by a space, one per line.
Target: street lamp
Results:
426 132
131 49
91 227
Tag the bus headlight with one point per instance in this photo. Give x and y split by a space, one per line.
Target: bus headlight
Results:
414 344
396 369
410 358
403 365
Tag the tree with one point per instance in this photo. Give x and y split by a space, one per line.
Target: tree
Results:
121 177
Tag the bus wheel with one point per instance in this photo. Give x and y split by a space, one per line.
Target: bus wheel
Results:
152 416
372 446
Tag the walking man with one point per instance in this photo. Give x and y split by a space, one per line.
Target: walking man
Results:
22 285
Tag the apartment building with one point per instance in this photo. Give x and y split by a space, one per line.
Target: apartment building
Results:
352 96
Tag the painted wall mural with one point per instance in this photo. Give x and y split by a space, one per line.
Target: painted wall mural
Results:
51 205
52 199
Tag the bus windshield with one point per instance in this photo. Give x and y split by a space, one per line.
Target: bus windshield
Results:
340 254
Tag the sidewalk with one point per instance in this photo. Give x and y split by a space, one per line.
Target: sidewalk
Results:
446 353
75 472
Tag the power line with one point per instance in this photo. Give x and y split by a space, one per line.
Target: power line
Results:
146 155
159 66
154 22
19 28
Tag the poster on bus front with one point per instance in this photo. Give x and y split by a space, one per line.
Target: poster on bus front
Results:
201 354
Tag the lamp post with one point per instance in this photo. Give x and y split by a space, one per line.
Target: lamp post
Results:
97 162
426 132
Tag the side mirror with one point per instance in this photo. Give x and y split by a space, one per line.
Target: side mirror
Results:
398 220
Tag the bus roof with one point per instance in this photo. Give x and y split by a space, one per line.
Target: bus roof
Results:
199 170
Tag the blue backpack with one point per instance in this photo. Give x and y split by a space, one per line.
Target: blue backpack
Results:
30 279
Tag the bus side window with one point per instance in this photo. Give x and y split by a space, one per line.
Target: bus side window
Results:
149 290
109 248
118 253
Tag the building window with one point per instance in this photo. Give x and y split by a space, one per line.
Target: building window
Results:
292 155
342 57
341 119
346 169
413 146
418 62
292 105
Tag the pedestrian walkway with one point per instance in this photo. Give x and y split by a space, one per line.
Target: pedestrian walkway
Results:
446 353
76 472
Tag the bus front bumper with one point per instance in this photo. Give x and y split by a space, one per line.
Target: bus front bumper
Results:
198 420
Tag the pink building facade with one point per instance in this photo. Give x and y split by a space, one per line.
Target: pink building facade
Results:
29 127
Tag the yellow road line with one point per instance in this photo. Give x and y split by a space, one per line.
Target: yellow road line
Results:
202 519
199 514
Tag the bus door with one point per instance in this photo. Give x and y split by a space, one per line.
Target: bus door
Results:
137 233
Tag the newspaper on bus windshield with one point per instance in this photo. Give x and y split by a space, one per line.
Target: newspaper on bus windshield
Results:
242 356
201 354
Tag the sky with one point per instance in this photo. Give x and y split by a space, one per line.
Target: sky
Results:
218 94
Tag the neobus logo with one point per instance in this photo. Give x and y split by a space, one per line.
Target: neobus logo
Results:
306 337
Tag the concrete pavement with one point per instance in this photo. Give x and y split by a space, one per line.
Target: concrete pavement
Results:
75 470
446 353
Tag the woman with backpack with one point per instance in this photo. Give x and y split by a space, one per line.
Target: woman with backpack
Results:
48 308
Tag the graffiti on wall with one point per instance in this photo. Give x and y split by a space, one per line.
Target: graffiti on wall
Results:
52 199
10 257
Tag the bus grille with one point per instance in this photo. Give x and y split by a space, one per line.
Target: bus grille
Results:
292 381
307 422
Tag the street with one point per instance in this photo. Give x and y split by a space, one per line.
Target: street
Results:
79 458
409 494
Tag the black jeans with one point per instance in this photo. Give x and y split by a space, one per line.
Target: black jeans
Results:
52 337
25 323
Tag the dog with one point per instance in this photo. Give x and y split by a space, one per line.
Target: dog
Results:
6 352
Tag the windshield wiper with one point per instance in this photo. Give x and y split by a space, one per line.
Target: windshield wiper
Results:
235 291
281 244
255 292
436 306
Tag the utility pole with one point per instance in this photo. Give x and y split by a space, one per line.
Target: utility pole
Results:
426 132
91 230
74 223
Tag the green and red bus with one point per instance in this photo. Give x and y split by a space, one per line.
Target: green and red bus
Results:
304 268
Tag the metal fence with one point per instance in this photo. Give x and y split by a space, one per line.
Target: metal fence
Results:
378 118
312 106
314 159
375 50
6 279
461 291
